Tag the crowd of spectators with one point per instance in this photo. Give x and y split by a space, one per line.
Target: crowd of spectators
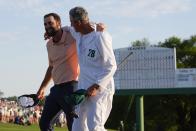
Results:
11 112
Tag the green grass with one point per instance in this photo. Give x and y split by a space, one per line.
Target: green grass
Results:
14 127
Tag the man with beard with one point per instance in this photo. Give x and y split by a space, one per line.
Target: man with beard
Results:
63 69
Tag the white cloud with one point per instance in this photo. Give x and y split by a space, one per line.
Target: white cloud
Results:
139 8
114 8
158 7
20 4
38 7
9 37
17 36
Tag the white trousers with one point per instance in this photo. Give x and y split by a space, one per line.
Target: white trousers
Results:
93 113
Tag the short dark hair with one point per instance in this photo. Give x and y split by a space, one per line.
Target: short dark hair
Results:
79 13
56 16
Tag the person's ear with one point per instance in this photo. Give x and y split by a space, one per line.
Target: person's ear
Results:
59 23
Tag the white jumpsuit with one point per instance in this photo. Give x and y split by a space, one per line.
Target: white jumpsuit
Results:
97 65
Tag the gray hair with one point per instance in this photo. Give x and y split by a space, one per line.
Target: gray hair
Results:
79 13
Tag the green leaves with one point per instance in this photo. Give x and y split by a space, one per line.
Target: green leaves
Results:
185 50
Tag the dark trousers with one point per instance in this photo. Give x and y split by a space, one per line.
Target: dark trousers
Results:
55 103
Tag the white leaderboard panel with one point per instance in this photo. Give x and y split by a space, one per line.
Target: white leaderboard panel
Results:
145 68
186 77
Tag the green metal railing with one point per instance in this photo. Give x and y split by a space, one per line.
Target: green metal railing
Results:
138 95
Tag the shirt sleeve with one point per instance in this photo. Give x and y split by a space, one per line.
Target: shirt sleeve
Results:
108 59
76 35
49 59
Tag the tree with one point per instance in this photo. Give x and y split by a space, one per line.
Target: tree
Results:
171 42
12 98
144 42
185 50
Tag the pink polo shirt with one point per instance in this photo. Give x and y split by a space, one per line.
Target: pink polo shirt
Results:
63 58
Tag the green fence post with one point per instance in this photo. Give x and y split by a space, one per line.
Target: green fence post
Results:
139 113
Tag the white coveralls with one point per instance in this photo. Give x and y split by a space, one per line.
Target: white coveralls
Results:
97 65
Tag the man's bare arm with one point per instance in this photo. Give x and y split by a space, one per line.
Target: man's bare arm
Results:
47 78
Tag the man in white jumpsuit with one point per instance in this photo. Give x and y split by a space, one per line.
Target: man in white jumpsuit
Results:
97 67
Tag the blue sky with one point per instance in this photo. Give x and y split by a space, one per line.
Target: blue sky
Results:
22 48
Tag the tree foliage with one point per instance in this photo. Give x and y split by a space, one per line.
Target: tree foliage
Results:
185 50
12 98
144 42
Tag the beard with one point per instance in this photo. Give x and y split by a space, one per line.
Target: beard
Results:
51 31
